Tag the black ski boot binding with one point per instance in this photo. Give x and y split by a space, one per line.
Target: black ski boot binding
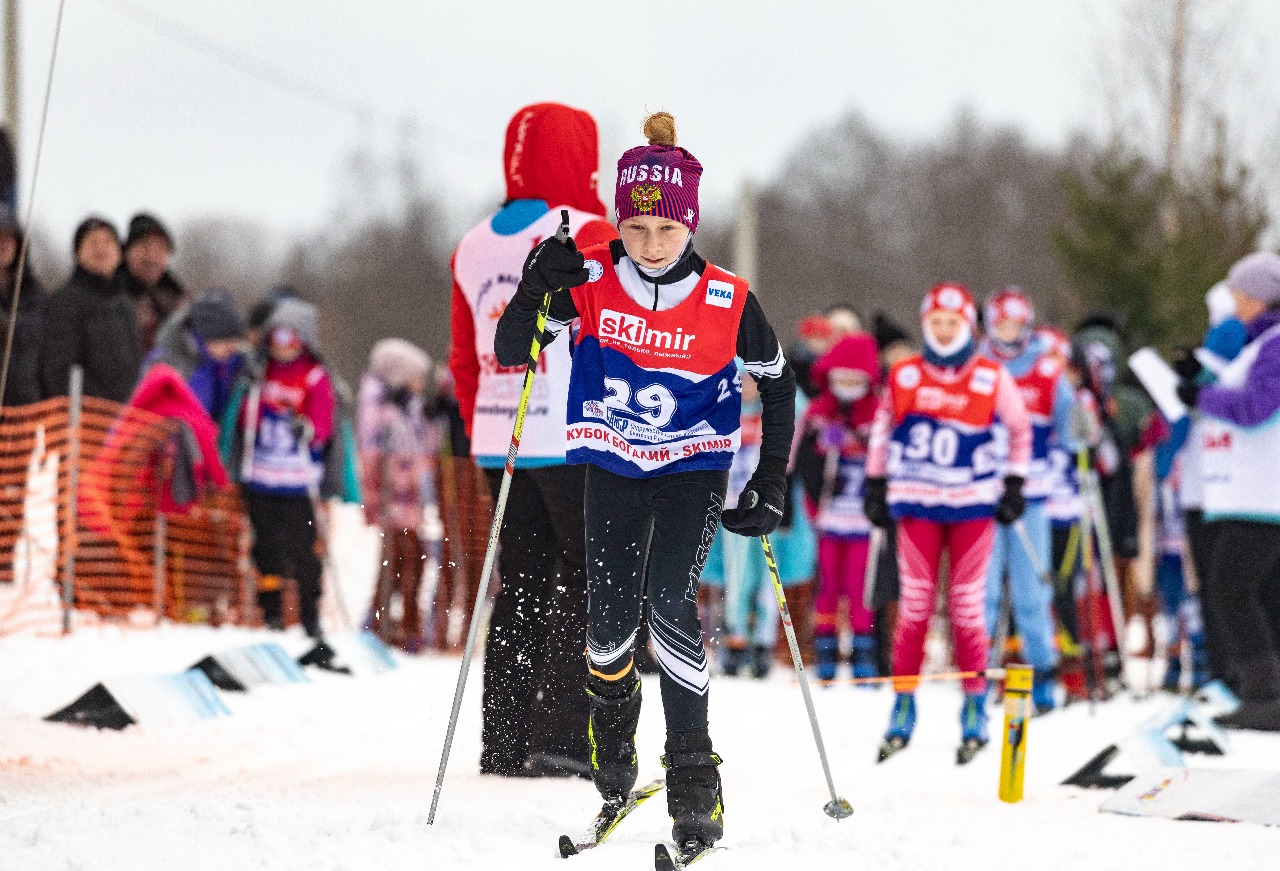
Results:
611 732
694 799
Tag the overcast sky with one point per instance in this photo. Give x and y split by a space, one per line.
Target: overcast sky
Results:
143 118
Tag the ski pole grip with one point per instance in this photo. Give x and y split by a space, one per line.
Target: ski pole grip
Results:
562 234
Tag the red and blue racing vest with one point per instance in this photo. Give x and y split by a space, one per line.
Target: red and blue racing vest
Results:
654 392
943 460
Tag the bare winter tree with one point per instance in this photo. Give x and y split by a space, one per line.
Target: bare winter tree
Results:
855 217
383 272
1179 80
227 251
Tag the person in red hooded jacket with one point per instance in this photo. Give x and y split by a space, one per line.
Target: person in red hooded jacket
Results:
831 462
535 712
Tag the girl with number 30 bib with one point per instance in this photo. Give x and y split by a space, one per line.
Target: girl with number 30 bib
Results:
933 467
655 412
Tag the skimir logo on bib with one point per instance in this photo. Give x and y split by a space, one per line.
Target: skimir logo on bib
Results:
632 330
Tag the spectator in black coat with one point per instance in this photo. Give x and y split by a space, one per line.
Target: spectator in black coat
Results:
23 385
156 294
89 322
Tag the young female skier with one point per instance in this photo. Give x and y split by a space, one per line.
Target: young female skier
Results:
831 461
932 467
655 415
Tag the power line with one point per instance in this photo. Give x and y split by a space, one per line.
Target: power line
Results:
21 265
246 63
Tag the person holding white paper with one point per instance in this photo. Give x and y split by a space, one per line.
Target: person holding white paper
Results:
1241 443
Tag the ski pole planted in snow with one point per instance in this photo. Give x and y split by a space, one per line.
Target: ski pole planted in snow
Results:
562 236
1017 713
837 808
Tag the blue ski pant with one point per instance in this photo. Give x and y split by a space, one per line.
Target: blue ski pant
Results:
748 591
1032 599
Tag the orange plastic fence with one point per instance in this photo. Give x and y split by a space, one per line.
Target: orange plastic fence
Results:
128 560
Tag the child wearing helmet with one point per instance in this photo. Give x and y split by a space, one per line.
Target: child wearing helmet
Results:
1010 339
933 468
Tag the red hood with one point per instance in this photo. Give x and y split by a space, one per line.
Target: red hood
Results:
855 351
553 154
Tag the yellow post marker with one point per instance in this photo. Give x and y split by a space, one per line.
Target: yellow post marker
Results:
1017 713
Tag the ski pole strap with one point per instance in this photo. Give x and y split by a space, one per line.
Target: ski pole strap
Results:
688 760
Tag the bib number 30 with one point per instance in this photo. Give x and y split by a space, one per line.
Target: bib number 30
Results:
926 443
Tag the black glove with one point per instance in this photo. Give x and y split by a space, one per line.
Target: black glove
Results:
809 468
1011 504
875 502
551 266
302 429
1186 365
1189 392
759 510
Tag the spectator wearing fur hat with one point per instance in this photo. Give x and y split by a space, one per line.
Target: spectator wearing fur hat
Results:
398 446
205 343
89 322
156 294
1240 438
23 384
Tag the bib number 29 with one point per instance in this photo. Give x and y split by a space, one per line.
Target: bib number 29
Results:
656 404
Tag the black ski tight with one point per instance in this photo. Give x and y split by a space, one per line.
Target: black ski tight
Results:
668 521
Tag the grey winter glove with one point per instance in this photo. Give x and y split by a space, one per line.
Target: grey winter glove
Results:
760 507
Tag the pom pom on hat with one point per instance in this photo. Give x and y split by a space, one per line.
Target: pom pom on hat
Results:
660 178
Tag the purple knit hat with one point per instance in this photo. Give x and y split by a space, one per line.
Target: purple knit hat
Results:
1257 275
659 180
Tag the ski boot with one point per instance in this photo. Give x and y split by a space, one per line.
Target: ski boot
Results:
1044 692
694 798
973 727
865 657
827 650
1172 681
761 661
611 733
902 722
271 601
735 657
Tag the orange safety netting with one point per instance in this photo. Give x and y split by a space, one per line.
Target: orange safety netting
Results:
125 557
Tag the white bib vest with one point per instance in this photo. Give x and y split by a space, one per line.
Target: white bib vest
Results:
487 267
1239 463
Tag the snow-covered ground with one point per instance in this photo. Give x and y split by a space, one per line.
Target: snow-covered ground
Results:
338 774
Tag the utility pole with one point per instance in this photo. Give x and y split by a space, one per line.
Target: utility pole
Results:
12 89
1171 220
746 236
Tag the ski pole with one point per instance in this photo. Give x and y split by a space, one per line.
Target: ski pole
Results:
874 545
322 532
989 674
562 236
1094 668
1107 558
837 808
1029 546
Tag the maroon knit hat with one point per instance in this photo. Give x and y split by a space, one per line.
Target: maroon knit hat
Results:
659 180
